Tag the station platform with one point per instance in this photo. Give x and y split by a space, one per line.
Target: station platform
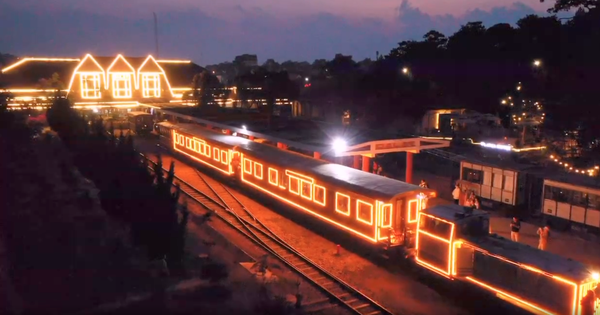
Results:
587 252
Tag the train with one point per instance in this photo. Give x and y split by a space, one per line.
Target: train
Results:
447 240
380 211
566 201
454 242
140 122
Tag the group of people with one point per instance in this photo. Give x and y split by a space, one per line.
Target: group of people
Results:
543 232
470 199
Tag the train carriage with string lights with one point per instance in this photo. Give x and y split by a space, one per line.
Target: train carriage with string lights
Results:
375 209
453 241
565 200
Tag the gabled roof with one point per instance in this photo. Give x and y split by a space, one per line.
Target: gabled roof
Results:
120 65
150 65
27 72
89 64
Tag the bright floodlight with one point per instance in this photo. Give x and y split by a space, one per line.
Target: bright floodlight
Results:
405 70
339 145
595 276
306 79
537 63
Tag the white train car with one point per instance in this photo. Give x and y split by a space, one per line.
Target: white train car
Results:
503 184
572 202
455 244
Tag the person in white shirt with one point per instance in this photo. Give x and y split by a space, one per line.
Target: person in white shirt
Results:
456 195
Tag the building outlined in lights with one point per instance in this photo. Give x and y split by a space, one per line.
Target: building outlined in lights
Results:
100 80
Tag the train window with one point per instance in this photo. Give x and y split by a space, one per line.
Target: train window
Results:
386 215
224 157
273 177
258 170
188 143
473 176
306 191
579 199
207 150
593 202
364 212
497 180
247 166
342 203
319 194
216 154
197 146
509 183
436 227
294 185
413 211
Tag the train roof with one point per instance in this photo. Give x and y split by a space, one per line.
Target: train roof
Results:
451 212
363 183
522 253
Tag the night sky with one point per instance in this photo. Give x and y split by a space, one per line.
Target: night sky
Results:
217 30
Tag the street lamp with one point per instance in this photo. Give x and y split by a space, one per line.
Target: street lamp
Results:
537 63
405 70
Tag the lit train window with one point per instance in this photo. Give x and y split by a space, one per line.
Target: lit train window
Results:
273 174
387 215
258 170
188 143
306 191
206 151
342 203
294 185
319 194
223 156
364 212
216 154
247 166
413 211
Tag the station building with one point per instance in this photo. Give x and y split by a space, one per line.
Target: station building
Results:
99 81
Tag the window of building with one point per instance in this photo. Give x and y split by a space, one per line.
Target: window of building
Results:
224 157
319 194
247 166
216 154
258 170
306 191
294 185
121 85
90 86
342 203
273 177
364 212
150 85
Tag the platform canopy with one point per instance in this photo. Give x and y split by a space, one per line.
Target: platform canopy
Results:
371 148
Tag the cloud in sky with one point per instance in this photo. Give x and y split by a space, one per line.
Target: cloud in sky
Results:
220 31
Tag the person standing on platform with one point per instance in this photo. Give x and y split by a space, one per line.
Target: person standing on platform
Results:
543 233
423 184
456 194
515 227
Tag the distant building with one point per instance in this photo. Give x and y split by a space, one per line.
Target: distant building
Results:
463 122
99 80
246 60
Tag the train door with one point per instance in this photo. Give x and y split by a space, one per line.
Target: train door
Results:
398 222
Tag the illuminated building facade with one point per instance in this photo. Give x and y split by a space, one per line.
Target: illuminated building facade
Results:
99 80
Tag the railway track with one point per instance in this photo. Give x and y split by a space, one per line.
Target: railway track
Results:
220 201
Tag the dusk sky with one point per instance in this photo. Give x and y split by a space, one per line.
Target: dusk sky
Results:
215 31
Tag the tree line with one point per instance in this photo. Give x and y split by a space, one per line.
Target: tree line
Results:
128 190
554 60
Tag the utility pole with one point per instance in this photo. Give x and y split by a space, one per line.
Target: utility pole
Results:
156 33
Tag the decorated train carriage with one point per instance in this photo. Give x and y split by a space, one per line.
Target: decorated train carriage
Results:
374 208
453 241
